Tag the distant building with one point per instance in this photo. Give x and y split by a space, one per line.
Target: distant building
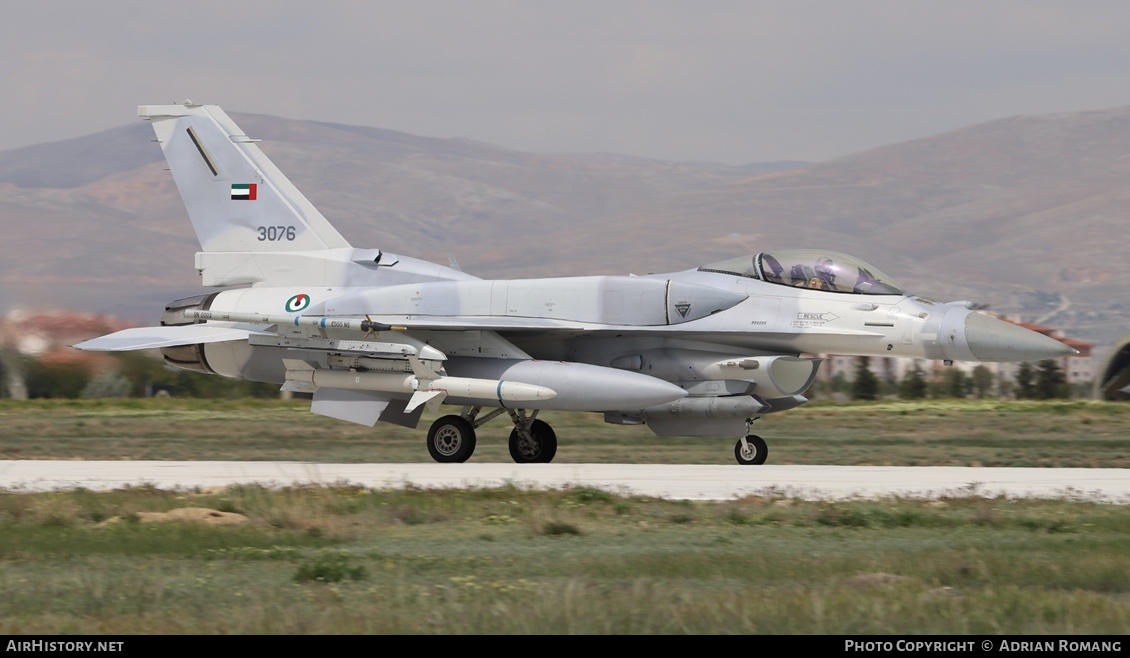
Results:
48 336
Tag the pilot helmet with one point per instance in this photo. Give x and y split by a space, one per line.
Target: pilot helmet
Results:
825 269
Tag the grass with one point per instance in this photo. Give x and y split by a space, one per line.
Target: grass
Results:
509 561
959 433
348 560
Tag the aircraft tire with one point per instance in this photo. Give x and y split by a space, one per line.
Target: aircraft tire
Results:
451 439
756 454
541 453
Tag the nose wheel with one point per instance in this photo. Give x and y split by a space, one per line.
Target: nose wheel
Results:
751 450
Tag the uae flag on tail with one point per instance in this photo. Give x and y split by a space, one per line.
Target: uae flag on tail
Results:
244 191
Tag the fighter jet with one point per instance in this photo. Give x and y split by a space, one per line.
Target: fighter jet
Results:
378 336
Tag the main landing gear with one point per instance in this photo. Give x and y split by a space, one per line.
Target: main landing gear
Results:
452 437
532 441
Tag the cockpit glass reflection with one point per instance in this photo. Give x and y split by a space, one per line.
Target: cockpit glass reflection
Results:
811 268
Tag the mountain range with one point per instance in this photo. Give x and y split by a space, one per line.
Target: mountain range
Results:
1025 215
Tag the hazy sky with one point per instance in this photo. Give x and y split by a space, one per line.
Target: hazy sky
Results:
733 82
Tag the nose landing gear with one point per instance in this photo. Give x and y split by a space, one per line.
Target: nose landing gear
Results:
751 450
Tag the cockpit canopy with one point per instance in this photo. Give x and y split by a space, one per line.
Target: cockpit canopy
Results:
810 268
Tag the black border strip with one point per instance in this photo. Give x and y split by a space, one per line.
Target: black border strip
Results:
203 153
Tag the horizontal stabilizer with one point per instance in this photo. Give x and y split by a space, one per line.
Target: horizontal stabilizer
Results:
148 338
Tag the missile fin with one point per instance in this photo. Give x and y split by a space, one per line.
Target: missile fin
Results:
298 387
424 397
422 372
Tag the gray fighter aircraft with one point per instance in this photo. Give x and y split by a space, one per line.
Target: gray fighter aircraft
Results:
377 336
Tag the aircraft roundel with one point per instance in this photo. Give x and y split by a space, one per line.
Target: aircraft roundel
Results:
298 303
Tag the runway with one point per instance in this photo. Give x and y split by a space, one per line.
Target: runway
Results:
671 481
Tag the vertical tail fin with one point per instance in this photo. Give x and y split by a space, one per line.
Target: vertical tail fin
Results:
236 198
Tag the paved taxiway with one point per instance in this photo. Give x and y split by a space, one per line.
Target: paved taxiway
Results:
675 481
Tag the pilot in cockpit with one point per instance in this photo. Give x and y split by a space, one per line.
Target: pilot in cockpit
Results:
825 273
812 269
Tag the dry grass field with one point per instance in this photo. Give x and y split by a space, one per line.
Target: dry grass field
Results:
246 560
346 560
926 433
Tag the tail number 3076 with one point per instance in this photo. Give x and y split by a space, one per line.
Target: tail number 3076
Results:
276 233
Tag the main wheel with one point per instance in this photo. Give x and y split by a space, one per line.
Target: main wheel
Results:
451 439
539 450
754 454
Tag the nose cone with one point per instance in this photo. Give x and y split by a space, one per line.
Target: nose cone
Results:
990 339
